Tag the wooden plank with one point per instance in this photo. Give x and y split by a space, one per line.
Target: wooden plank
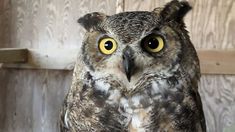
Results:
211 61
27 97
218 96
13 55
3 97
56 59
217 62
230 129
32 98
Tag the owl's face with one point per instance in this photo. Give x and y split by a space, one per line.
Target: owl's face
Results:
130 45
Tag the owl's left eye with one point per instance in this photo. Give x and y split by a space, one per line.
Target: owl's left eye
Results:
153 43
107 45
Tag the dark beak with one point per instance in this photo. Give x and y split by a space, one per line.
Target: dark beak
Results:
128 62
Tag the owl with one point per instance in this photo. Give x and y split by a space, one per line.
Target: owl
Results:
137 72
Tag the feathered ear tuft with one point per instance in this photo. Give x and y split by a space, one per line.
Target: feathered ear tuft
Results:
175 10
92 21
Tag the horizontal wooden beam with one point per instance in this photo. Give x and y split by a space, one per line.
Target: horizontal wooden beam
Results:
211 61
13 55
217 61
57 59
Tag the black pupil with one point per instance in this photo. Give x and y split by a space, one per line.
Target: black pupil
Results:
108 45
153 43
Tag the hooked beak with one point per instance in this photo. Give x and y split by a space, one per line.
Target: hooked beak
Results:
128 62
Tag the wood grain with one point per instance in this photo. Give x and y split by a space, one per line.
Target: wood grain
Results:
218 95
3 94
52 23
211 24
143 5
5 23
31 99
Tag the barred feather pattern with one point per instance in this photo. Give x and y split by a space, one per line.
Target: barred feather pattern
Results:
162 93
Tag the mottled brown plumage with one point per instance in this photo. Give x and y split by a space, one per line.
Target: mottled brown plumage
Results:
135 89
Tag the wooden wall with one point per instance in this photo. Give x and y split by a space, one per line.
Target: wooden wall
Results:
30 99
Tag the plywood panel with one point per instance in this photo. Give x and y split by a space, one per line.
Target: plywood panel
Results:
211 25
30 99
53 23
5 23
33 99
3 85
217 61
143 5
218 95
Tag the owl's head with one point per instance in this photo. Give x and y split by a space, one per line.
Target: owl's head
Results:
129 45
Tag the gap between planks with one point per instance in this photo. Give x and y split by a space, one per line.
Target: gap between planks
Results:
211 61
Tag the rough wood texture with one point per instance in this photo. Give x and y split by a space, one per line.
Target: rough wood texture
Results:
3 94
218 95
211 24
30 99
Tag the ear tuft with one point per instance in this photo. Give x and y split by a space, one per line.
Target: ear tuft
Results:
175 10
92 21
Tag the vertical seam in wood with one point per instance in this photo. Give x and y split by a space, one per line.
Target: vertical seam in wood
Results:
119 6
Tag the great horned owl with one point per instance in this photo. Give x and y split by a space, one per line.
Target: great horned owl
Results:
137 71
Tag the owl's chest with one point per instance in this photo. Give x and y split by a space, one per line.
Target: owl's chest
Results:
138 107
138 113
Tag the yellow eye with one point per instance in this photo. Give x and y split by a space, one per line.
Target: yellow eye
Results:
153 43
107 45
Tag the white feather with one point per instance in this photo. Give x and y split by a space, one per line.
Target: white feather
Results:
66 119
137 123
136 100
114 96
155 88
102 86
125 103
